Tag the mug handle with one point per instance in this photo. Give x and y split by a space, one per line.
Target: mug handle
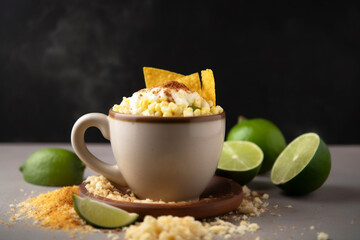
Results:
100 121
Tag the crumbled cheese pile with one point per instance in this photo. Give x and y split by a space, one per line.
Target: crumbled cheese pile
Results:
168 227
100 186
253 203
182 228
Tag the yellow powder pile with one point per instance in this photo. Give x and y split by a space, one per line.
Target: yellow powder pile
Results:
53 210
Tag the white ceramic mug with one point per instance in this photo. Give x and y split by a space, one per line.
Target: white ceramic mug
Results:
161 158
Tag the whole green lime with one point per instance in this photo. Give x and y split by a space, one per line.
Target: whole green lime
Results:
263 133
53 167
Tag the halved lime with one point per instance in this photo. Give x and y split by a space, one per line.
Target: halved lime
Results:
303 166
263 133
240 161
102 215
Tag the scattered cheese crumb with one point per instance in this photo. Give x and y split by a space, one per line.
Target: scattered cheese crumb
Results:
112 236
265 196
322 236
312 227
222 227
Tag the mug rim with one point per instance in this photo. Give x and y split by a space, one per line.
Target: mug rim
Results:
141 118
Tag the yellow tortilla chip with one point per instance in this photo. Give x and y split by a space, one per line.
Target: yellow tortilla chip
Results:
155 76
192 82
208 85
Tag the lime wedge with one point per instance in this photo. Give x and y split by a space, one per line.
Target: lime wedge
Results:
303 166
102 215
240 161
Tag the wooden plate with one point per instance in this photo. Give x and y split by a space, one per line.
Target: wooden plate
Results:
221 196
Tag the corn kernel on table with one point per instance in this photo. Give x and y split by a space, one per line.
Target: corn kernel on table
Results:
333 209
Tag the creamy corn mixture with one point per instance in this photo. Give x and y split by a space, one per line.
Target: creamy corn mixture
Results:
167 100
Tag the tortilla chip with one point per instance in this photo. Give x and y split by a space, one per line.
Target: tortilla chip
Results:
155 76
192 82
208 85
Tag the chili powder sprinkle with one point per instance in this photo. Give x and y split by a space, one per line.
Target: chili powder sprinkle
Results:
54 210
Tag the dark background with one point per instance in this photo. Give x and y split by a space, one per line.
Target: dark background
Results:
292 63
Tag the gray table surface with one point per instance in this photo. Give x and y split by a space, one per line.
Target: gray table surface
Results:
333 209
